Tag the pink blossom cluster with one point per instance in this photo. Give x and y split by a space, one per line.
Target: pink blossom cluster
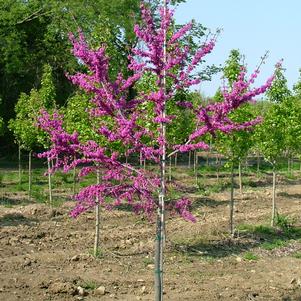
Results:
121 118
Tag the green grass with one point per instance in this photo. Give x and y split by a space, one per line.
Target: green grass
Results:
90 285
250 256
297 255
274 244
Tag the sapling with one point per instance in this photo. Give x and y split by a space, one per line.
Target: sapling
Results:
120 123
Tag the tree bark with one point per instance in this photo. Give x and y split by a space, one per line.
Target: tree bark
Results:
232 202
258 164
160 227
273 197
19 163
49 183
240 177
97 218
74 180
29 175
170 170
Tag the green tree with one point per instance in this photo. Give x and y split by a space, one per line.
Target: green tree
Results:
27 135
237 145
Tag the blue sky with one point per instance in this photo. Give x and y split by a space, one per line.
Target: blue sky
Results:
252 27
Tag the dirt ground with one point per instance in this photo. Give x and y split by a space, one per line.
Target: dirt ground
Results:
45 255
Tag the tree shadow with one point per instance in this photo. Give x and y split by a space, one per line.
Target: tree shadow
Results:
8 202
253 236
206 202
15 219
289 195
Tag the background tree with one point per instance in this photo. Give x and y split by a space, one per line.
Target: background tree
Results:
271 135
235 146
27 135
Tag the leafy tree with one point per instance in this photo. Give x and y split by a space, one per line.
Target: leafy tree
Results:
27 135
235 146
279 133
279 90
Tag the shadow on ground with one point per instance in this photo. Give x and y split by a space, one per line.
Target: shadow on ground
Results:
15 219
251 237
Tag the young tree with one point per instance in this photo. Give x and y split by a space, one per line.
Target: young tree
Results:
26 133
235 146
165 57
272 134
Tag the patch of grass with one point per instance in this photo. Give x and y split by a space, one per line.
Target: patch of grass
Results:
297 255
99 253
250 256
147 261
274 244
285 223
90 285
264 230
39 196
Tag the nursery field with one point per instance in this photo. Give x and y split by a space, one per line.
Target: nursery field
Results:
46 255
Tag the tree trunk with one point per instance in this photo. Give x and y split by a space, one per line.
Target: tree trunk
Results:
140 159
170 170
273 197
195 167
49 183
217 168
97 218
258 164
240 177
144 164
19 163
194 161
29 175
74 180
232 202
160 227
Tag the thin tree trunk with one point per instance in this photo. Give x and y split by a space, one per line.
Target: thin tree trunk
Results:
49 183
97 218
240 177
217 168
273 197
170 171
232 202
20 167
195 167
29 175
194 161
189 159
144 164
74 180
140 159
258 164
160 227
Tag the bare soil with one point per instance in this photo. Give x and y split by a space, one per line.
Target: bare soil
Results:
45 255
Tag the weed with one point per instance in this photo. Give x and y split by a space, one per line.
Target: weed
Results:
90 285
148 261
274 244
285 223
297 255
250 256
99 253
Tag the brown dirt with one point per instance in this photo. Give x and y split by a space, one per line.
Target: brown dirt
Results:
44 254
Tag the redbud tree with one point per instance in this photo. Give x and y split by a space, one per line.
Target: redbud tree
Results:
161 53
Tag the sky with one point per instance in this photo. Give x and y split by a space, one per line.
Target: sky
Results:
253 27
